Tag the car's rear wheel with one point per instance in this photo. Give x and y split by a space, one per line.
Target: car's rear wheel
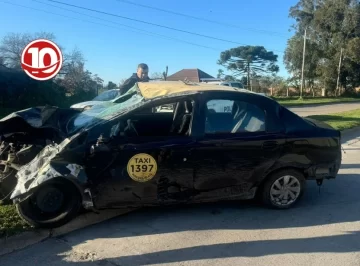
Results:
51 205
283 189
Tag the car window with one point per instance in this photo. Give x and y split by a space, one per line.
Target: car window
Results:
104 111
171 119
229 116
165 108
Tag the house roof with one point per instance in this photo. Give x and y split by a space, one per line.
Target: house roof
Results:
193 75
151 90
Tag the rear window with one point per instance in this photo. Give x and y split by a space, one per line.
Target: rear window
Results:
229 116
292 121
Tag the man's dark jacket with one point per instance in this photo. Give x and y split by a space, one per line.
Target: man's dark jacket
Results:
130 82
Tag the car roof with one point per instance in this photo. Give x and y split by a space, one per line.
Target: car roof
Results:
150 90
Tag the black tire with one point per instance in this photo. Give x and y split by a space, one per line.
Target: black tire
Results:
38 210
272 201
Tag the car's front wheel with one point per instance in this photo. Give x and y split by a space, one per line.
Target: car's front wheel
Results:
51 205
283 189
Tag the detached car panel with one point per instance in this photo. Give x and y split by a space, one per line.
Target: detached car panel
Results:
130 153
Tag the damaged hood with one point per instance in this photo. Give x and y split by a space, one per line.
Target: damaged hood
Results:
36 117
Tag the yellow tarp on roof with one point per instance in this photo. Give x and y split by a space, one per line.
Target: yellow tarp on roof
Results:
151 90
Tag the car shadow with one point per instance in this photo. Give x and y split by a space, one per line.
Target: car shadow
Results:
313 245
337 201
58 253
350 166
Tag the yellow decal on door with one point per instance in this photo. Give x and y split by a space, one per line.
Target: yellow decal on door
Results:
142 167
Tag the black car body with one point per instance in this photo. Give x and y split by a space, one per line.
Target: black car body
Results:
132 155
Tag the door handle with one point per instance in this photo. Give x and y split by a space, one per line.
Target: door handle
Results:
269 145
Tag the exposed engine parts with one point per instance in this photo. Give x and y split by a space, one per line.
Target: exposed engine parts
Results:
12 157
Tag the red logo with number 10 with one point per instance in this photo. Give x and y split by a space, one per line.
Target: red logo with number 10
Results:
41 59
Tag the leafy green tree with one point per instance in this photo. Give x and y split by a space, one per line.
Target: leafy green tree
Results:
277 84
249 59
111 86
220 74
332 26
157 75
229 78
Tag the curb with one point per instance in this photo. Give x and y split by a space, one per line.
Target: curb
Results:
319 104
25 239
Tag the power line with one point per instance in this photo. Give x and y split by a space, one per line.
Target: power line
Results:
124 25
203 19
150 23
137 30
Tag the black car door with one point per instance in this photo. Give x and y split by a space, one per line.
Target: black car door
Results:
239 144
148 169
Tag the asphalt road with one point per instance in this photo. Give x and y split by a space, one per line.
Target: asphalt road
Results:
324 109
324 229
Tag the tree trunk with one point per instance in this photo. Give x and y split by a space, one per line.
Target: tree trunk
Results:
248 76
312 89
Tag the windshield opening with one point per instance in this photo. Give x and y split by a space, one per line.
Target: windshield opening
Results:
104 111
107 95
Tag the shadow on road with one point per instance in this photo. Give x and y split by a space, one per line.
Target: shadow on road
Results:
351 166
337 244
337 202
317 207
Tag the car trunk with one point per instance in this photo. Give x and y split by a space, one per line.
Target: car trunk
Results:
318 123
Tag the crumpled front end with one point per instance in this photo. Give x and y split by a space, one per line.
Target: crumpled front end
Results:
43 168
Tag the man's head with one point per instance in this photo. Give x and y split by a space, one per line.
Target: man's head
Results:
142 71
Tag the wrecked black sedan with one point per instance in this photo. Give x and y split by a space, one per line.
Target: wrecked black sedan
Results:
217 143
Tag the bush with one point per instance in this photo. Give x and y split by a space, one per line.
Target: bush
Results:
18 91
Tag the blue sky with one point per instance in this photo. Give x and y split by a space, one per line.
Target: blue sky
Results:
113 51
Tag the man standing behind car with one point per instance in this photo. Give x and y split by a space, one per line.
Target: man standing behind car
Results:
141 75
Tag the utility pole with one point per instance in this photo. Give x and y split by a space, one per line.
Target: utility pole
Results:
303 64
338 78
165 73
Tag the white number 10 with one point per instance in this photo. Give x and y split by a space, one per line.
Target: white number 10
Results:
38 58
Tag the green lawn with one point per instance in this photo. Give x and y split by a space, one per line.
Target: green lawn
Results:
10 222
318 100
341 121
